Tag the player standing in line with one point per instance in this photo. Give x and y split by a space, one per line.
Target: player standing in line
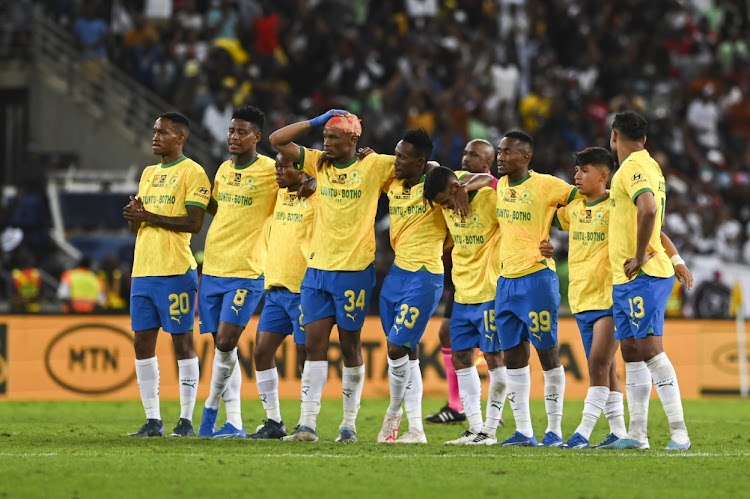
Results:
172 197
472 325
528 290
412 289
590 292
338 283
643 278
477 158
232 284
288 249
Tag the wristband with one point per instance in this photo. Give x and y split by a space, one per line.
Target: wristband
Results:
677 260
323 118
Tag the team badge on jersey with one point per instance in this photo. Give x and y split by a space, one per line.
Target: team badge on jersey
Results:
249 183
354 177
159 180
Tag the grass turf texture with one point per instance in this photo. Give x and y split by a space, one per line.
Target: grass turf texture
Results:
79 449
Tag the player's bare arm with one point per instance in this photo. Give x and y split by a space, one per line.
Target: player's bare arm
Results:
212 207
283 138
680 269
646 220
191 223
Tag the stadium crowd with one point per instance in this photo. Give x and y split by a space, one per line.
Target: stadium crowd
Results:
471 69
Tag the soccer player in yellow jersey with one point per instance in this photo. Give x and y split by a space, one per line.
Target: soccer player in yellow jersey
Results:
232 284
478 157
590 291
340 273
169 207
528 290
412 289
643 278
472 323
288 245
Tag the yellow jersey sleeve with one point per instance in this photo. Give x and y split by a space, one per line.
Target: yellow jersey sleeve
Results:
637 174
417 230
245 197
289 240
308 160
167 190
475 245
561 219
590 274
343 236
525 210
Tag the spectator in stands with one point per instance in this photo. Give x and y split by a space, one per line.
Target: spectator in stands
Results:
80 289
215 119
92 30
26 296
703 118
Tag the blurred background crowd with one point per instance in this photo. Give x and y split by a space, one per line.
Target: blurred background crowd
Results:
461 69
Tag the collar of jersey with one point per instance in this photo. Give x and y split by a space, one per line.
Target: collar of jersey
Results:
514 184
589 205
167 165
632 154
421 181
345 165
246 165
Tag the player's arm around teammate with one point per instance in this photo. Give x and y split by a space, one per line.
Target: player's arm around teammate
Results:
172 196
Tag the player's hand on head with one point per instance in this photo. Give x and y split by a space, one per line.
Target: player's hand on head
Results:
546 248
363 152
308 188
323 118
684 276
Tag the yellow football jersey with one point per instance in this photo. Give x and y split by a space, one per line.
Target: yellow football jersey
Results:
168 189
417 230
289 240
475 244
343 228
524 212
236 241
590 275
639 173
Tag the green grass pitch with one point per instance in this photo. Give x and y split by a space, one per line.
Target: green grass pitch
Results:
79 449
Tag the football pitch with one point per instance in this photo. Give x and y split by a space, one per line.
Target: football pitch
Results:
79 449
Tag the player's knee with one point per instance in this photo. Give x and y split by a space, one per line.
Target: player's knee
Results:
463 359
599 367
224 344
629 352
396 351
549 359
494 360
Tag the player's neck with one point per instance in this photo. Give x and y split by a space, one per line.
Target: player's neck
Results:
171 157
244 158
596 196
412 181
294 187
518 176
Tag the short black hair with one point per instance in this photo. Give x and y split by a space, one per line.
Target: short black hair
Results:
631 124
437 181
178 119
251 114
522 137
597 156
421 140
